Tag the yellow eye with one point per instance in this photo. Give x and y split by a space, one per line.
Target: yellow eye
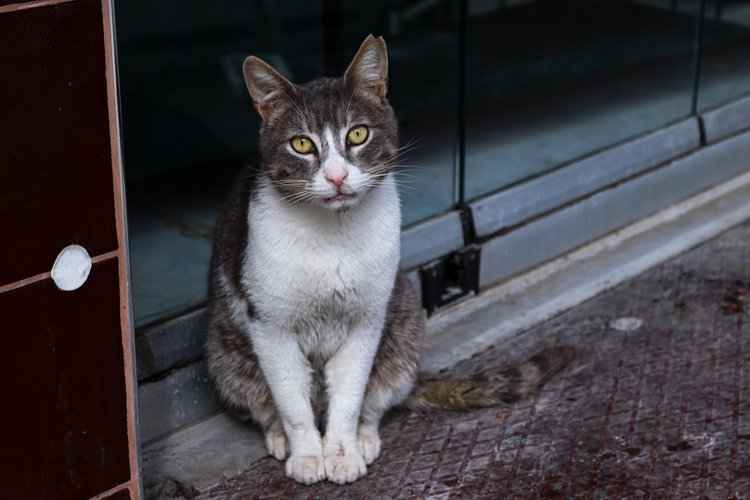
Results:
357 135
302 144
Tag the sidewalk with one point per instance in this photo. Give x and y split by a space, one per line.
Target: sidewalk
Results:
657 404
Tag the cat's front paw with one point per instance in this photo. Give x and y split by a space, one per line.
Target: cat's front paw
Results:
276 443
306 469
369 442
342 469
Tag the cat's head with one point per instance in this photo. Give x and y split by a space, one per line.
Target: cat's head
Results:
330 141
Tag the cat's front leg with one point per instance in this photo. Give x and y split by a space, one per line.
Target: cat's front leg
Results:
347 373
289 377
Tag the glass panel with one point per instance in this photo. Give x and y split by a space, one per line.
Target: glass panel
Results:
551 81
725 61
422 39
188 122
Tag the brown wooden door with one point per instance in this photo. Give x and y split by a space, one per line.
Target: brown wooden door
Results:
66 373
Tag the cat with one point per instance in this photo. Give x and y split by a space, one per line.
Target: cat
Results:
311 324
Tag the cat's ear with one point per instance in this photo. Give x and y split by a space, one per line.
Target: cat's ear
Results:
266 86
369 68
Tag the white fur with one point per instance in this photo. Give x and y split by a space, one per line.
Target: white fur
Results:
320 281
369 442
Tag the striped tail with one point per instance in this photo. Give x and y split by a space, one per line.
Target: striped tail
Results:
507 386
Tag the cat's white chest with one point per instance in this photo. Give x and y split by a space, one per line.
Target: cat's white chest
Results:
317 273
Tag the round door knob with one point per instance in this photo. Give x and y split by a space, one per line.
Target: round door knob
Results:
71 268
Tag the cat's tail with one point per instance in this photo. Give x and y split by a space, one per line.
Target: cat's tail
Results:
507 386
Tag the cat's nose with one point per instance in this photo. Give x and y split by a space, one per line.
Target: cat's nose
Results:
336 176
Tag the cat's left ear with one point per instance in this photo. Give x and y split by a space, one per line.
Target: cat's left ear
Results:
369 68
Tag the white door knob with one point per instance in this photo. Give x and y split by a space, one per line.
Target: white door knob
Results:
71 268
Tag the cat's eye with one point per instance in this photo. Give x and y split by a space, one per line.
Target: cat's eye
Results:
357 135
303 145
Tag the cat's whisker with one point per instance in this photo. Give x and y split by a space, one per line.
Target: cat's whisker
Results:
388 167
390 162
417 173
397 178
411 166
290 182
410 179
300 200
380 169
297 192
402 182
412 143
291 187
406 189
402 175
407 183
400 155
297 196
387 164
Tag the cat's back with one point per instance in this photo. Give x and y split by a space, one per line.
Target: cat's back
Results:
230 236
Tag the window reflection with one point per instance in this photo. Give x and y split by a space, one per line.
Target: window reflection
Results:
552 81
725 62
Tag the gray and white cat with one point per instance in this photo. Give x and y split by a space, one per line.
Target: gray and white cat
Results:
311 324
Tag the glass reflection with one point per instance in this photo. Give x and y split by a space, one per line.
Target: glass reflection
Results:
552 81
725 61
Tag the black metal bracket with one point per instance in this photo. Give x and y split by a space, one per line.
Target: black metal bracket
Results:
450 279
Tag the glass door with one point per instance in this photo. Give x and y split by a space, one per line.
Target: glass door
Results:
549 82
189 124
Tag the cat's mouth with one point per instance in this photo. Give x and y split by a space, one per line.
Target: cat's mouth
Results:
339 197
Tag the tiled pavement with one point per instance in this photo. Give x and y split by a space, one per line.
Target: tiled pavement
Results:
657 411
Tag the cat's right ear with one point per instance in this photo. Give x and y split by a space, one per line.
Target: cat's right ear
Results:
266 86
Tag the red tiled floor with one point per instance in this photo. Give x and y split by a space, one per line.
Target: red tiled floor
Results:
659 412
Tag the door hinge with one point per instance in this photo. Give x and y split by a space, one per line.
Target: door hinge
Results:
450 279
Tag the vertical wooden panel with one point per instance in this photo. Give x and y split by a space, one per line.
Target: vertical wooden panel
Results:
68 373
126 315
62 372
55 156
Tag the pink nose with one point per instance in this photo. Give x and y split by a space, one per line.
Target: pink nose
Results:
336 177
